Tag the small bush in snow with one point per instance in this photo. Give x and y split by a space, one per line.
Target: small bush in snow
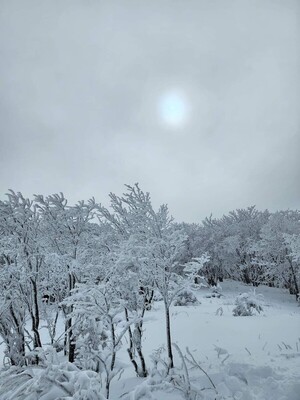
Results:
56 381
186 298
215 292
167 382
246 304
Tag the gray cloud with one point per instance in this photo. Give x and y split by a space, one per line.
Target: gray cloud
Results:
81 82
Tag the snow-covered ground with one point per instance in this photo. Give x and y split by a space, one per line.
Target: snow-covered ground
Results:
255 357
247 358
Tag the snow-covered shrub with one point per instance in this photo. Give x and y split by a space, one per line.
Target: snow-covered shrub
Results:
99 327
186 298
215 292
188 379
12 321
246 304
55 381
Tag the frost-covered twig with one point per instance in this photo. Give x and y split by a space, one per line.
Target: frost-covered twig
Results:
248 351
185 371
193 362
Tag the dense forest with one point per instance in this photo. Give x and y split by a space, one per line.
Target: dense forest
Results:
99 270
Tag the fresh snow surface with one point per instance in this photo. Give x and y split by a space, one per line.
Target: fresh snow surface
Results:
247 358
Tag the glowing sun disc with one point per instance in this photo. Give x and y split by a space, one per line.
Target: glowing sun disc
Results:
173 109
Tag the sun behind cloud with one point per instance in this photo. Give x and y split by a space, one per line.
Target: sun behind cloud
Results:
173 109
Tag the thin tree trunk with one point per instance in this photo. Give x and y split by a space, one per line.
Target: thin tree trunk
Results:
66 338
35 316
113 337
71 339
168 331
20 350
144 372
53 330
107 385
72 346
130 349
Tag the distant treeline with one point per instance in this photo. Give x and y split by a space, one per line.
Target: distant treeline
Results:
256 247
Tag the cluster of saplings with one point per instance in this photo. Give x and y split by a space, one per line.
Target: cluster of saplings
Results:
98 270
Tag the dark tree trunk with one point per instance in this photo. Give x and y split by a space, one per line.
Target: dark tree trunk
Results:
17 350
169 341
71 342
70 337
113 339
66 339
143 373
130 349
35 319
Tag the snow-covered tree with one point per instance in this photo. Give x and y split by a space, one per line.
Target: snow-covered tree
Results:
66 228
293 244
278 249
23 252
98 328
231 243
131 220
151 246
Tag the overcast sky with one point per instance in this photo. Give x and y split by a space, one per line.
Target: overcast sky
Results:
198 101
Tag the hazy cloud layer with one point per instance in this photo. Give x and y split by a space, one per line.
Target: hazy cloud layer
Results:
81 84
